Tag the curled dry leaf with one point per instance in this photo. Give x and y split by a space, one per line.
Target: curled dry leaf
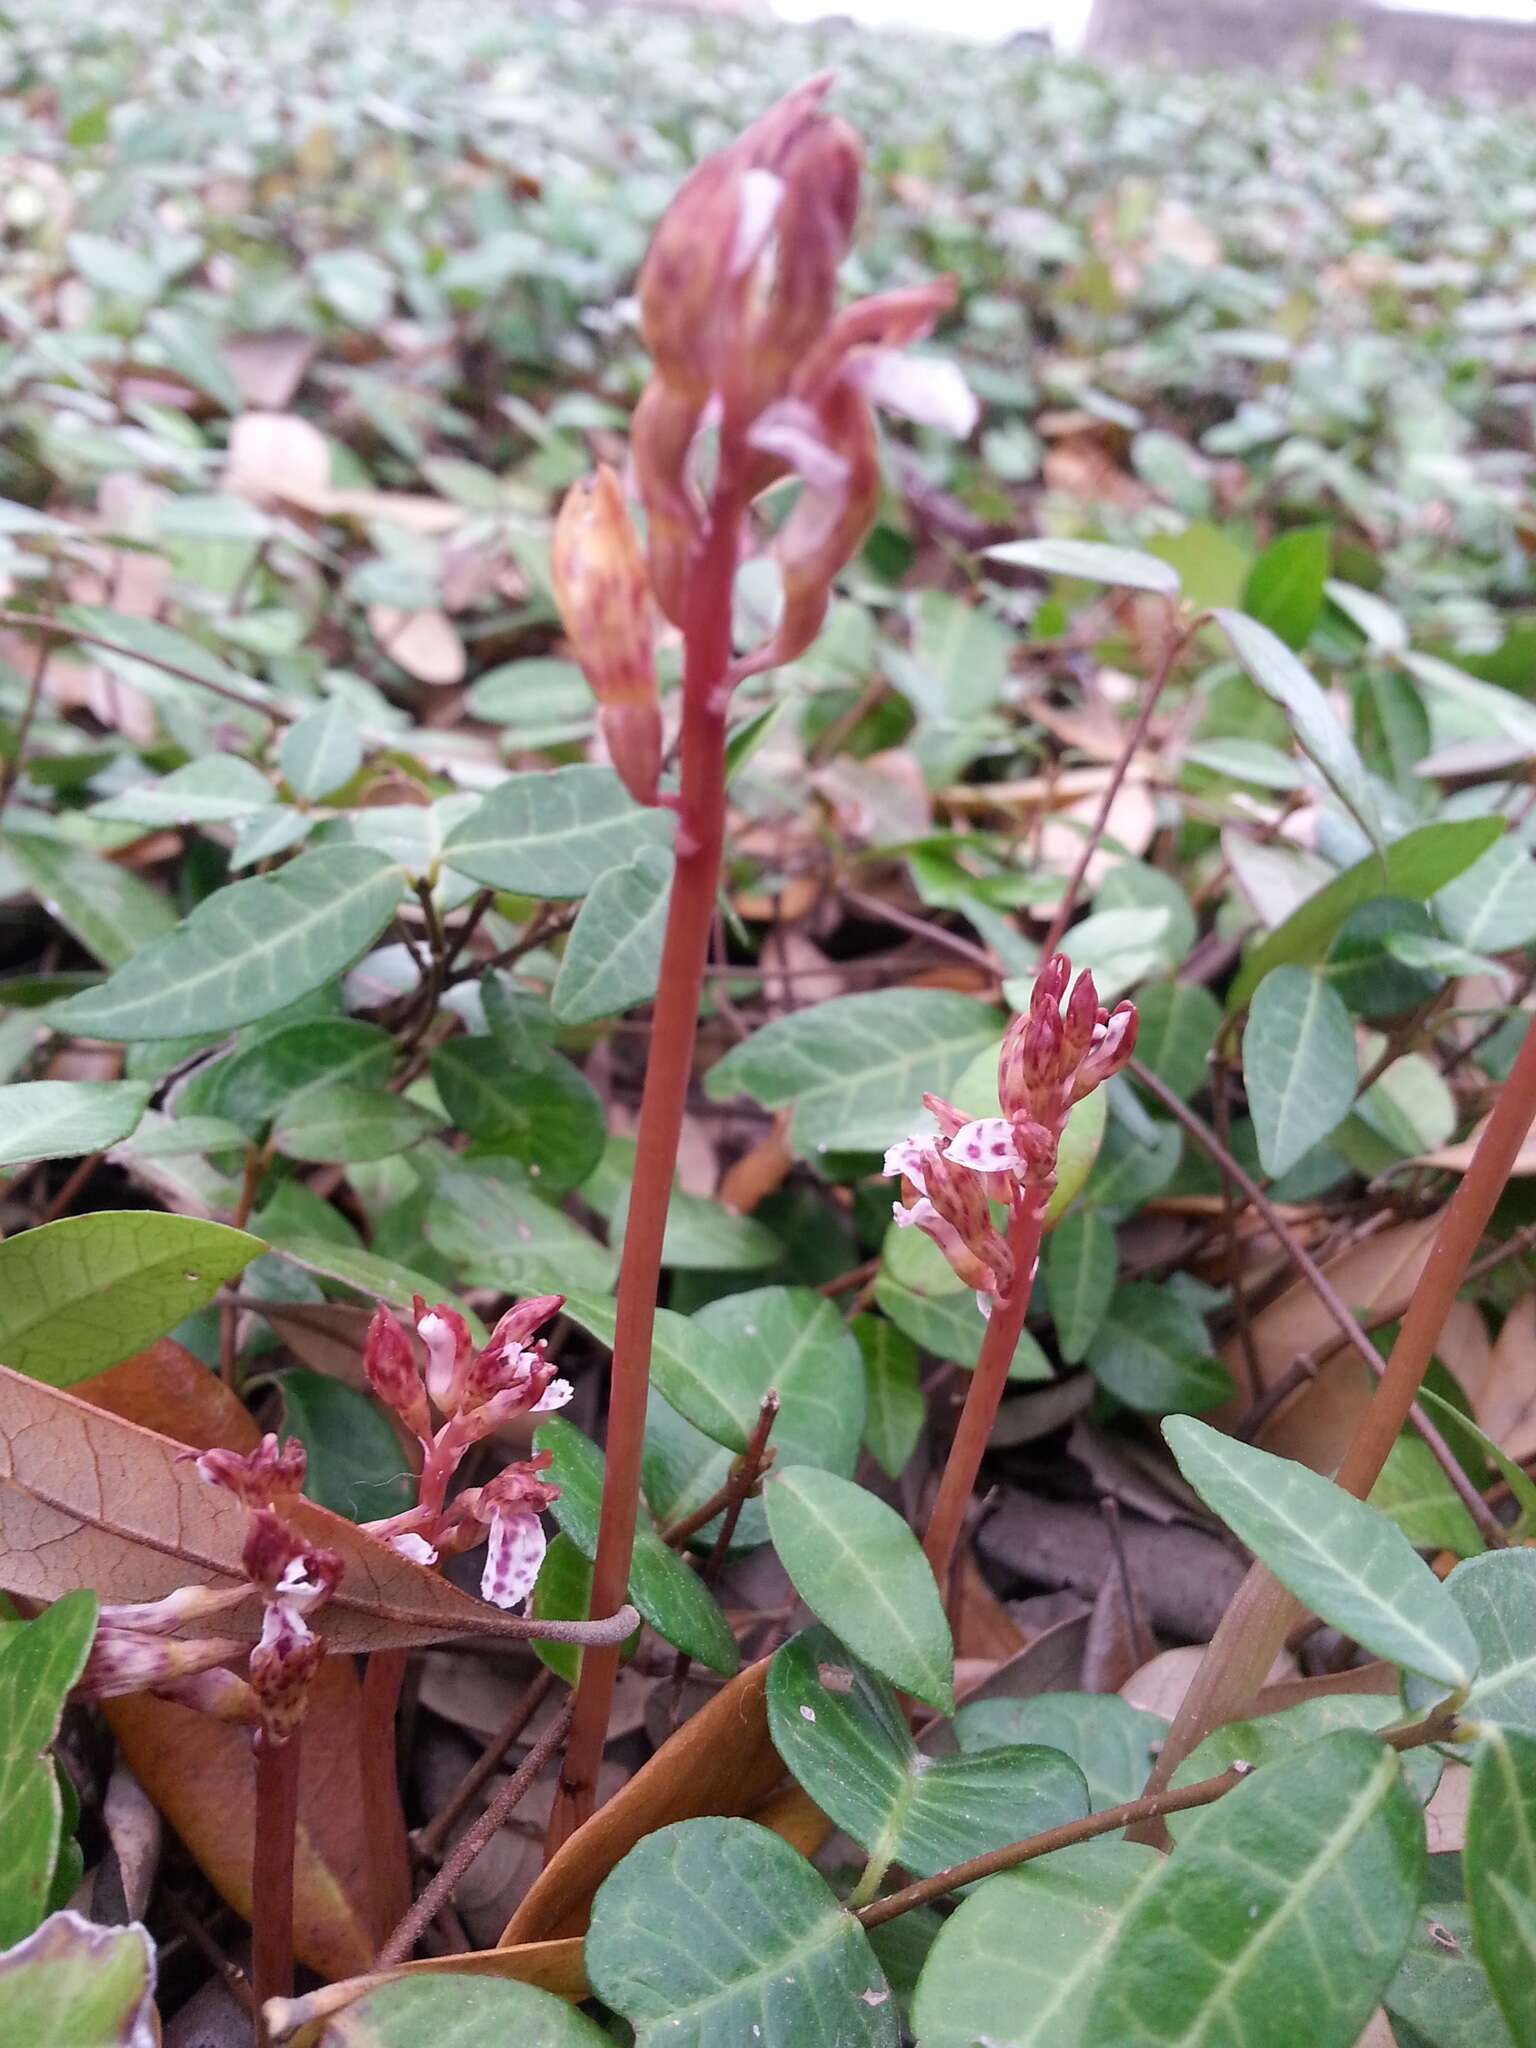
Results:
425 644
87 1499
198 1771
721 1762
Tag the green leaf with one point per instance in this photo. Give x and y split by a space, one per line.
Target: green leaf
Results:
1272 1738
64 1119
252 1085
715 1931
563 1592
39 1661
1080 1264
78 1295
351 1266
1348 1564
1112 1743
1366 975
1492 906
1441 1996
1090 561
548 1115
1380 623
1515 1477
674 1600
321 751
893 1399
947 1324
855 1068
1299 1064
1500 1863
857 1566
220 790
74 1985
106 907
1496 1596
1177 1028
1502 709
465 2011
1283 1917
685 1370
1418 1497
344 1122
841 1731
490 1222
551 833
612 958
357 1465
249 949
1278 673
1415 866
1151 1351
1285 585
1016 1965
703 1237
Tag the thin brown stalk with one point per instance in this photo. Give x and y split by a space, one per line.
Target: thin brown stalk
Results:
277 1813
469 1845
429 1840
383 1677
34 623
1253 1628
1133 740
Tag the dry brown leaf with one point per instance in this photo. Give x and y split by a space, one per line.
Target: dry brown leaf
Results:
198 1771
414 510
277 455
1445 1817
1506 1404
1132 821
1376 1677
269 368
425 643
133 1828
89 1499
1160 1685
1379 2033
721 1762
327 1336
760 1171
1457 1158
983 1628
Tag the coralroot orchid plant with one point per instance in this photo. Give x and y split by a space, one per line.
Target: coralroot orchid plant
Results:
758 380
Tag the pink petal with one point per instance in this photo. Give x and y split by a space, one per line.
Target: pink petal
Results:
909 1159
512 1559
927 389
790 430
760 195
985 1146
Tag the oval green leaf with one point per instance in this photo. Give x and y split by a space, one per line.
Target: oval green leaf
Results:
551 833
64 1119
1299 1065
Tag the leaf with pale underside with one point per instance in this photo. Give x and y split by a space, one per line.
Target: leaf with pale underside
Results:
75 1985
1090 561
461 2011
1111 1742
39 1661
1496 1593
1351 1566
88 1499
715 1931
1500 1863
982 1982
1281 1920
551 833
1299 1064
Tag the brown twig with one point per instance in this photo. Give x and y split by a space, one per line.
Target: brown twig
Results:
1133 739
428 1841
277 1813
469 1845
383 1676
1151 1806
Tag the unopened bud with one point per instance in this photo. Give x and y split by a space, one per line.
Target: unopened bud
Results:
1081 1018
390 1365
121 1661
604 595
257 1478
450 1349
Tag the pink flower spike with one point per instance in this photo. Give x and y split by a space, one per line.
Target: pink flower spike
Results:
925 389
390 1366
513 1556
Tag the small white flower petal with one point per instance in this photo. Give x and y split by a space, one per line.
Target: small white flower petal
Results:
985 1146
513 1556
760 195
926 389
909 1159
416 1548
555 1395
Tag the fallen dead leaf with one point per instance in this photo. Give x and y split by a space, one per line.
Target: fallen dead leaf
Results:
277 455
984 1630
1457 1158
133 1828
1160 1685
721 1762
425 643
1505 1405
89 1499
1445 1817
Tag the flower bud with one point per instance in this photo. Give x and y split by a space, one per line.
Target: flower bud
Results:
123 1661
390 1365
257 1478
604 595
450 1349
660 436
1081 1018
1111 1051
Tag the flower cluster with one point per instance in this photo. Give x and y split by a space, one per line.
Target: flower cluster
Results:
133 1650
473 1391
738 308
1062 1048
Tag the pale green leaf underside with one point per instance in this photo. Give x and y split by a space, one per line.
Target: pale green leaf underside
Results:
65 1119
551 833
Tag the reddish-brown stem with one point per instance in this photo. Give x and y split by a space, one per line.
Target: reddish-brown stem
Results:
1253 1628
984 1392
685 949
383 1823
277 1814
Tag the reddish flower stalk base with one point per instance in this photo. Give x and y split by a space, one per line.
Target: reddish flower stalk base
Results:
277 1815
690 915
983 1395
